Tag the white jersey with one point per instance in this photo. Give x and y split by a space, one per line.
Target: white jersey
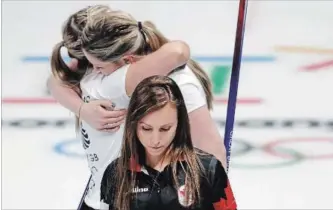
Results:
102 148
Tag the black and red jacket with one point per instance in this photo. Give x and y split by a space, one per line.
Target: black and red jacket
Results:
159 193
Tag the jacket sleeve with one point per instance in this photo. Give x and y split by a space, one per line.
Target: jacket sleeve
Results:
222 195
107 188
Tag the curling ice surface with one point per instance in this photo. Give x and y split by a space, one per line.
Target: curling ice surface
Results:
42 178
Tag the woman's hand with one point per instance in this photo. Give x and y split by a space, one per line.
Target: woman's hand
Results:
101 115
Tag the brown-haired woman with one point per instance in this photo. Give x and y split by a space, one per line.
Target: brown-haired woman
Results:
158 167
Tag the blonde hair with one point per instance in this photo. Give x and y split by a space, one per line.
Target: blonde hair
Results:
71 33
109 37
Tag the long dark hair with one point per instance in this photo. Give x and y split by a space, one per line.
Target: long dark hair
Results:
150 95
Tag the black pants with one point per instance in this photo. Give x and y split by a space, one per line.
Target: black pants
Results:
85 207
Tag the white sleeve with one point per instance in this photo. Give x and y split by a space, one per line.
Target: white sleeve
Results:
193 96
114 85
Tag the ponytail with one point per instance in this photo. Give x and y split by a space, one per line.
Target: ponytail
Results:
58 65
156 39
61 71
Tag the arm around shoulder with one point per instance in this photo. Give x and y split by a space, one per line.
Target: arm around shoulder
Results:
161 62
181 51
205 134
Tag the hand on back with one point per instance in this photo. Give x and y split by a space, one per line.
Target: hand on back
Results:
102 115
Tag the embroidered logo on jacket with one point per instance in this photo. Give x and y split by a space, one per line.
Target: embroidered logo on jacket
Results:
139 190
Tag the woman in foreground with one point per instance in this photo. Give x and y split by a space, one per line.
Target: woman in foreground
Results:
158 167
